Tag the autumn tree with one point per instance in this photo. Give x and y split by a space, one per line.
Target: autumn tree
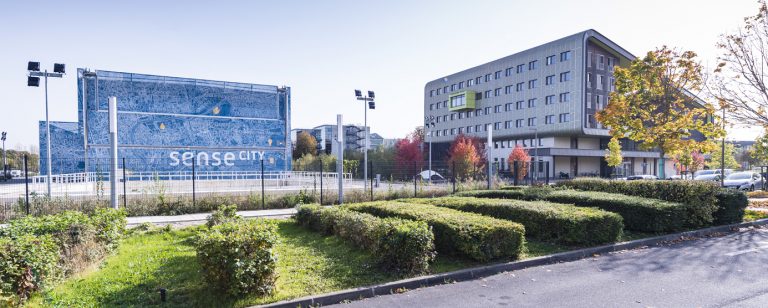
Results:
613 154
305 144
520 160
409 156
652 104
759 151
715 158
465 156
739 82
689 161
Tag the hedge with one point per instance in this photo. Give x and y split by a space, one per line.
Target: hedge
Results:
731 205
239 257
639 214
543 220
29 263
701 196
473 235
399 245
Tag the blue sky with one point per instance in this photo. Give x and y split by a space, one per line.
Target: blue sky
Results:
322 49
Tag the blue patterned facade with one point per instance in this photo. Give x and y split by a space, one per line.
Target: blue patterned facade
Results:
166 122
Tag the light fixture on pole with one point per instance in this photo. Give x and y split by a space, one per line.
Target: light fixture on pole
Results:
33 80
429 124
370 105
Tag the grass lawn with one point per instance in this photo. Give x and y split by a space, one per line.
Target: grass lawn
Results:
308 263
750 215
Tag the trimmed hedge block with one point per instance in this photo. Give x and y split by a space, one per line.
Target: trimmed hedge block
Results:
731 206
397 244
239 257
478 237
564 223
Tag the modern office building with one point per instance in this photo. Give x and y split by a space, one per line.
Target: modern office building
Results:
551 91
169 123
354 137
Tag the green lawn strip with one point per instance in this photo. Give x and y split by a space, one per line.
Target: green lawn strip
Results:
752 215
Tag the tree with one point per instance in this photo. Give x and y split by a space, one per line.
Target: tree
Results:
730 158
760 150
305 144
739 82
613 153
409 156
522 158
689 162
652 104
465 156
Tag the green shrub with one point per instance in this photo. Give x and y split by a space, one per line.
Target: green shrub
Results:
731 206
239 257
700 196
478 237
224 214
399 245
543 220
29 263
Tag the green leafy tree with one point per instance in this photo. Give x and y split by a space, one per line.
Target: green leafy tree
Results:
305 144
652 105
613 154
715 158
760 150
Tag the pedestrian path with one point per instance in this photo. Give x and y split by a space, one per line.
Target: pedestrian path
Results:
203 216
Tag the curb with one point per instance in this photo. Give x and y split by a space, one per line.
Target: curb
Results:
488 270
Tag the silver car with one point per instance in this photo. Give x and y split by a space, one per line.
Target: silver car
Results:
746 180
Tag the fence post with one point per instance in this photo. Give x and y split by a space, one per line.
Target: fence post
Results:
125 187
490 170
26 184
321 181
453 176
414 186
547 170
514 173
193 182
263 205
370 167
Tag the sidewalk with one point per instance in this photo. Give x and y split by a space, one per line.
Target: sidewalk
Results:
202 216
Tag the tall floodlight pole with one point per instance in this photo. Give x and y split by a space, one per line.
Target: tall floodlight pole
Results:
33 80
113 150
370 105
488 149
535 153
429 123
722 155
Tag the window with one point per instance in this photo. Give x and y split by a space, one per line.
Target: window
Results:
598 102
508 89
551 60
565 56
461 84
508 72
497 126
445 118
497 75
532 103
461 130
507 124
600 62
437 133
549 80
612 84
508 107
445 104
565 97
520 68
610 64
461 115
469 114
589 80
431 106
478 112
487 77
453 87
549 100
599 82
532 65
488 94
470 82
565 76
453 131
532 83
431 93
519 123
497 92
453 116
485 127
531 121
589 59
589 100
445 89
469 129
458 101
565 117
550 119
438 91
478 80
478 127
519 105
519 86
497 109
487 110
437 120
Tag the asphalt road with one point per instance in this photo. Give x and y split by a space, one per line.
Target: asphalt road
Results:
727 271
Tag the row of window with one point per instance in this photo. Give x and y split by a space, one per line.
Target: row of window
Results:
600 82
532 65
601 61
548 100
530 122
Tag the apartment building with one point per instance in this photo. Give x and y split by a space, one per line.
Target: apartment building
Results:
544 99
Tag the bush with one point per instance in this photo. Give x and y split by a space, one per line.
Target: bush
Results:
238 257
478 237
224 214
29 263
400 245
731 206
563 223
700 196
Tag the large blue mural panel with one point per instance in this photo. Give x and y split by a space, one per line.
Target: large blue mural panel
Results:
66 148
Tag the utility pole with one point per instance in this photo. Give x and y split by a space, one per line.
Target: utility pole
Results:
722 155
5 161
371 105
429 123
33 80
340 156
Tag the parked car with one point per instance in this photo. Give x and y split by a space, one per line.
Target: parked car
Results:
708 177
711 171
642 177
746 180
436 177
15 173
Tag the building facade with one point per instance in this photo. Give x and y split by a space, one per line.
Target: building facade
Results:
354 137
170 123
544 99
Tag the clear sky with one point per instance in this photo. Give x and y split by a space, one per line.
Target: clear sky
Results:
323 50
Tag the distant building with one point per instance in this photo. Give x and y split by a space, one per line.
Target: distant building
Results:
354 137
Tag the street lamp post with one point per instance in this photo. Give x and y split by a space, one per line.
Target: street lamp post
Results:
429 123
371 105
5 161
722 155
535 153
33 80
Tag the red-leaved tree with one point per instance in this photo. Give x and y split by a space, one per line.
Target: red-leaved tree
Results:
409 157
522 158
466 156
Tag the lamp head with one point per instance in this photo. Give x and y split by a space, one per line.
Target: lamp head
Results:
358 93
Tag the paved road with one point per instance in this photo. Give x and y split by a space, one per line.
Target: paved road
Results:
728 271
